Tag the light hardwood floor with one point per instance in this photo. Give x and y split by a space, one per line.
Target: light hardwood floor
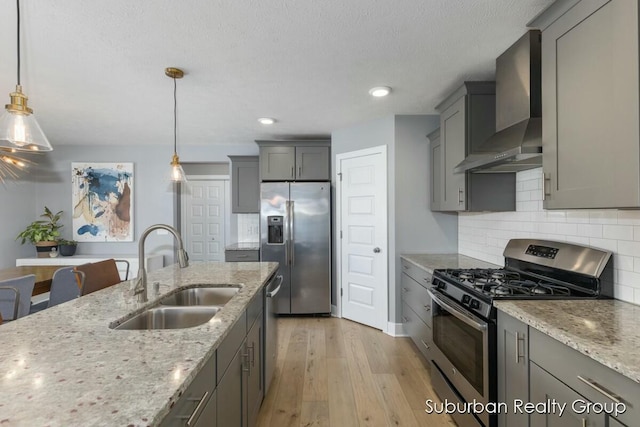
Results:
338 373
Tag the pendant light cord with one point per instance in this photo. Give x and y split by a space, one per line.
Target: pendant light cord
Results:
18 38
175 117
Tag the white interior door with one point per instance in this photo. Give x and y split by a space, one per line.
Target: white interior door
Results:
363 227
204 220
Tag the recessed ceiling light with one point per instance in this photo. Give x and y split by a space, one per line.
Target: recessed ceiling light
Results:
266 120
380 91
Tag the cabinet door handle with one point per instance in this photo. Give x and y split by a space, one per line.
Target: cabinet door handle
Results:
519 339
602 390
546 178
460 191
299 171
425 344
291 171
427 308
404 319
584 422
245 356
406 267
252 352
197 410
405 290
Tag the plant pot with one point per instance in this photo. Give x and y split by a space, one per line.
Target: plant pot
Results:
44 248
67 250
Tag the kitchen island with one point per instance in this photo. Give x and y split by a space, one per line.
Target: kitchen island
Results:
65 366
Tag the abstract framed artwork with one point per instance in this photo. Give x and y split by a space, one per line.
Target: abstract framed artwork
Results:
102 195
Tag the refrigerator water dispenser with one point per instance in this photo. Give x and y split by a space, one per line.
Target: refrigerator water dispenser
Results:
275 231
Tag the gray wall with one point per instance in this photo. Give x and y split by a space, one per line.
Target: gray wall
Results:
417 229
17 204
50 185
412 226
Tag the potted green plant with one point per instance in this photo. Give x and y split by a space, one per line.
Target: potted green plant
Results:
67 247
43 233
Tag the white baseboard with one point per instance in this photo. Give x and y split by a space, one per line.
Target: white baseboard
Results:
334 311
395 330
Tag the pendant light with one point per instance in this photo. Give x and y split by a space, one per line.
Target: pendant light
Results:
19 130
177 173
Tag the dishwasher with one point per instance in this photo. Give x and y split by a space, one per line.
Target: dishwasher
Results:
270 330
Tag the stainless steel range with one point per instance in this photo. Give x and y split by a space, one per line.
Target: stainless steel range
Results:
464 318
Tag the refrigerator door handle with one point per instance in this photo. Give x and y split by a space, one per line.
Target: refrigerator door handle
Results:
286 242
292 233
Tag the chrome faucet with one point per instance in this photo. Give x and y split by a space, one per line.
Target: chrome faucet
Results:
140 288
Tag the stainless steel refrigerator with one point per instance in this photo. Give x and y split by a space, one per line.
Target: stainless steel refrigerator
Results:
295 230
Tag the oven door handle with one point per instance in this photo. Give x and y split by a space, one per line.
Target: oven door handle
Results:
459 312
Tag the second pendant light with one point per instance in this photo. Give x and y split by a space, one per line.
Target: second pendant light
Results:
177 173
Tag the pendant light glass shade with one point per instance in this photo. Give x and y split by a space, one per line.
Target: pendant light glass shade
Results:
177 173
19 129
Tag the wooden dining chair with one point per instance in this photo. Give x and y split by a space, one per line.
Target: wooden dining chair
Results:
15 296
98 275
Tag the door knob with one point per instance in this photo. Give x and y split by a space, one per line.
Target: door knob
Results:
376 250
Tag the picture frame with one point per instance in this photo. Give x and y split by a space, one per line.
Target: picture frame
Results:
102 201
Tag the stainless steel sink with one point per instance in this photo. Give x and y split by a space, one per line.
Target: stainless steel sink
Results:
170 318
210 296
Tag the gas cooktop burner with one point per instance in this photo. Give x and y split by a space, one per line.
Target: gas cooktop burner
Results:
495 283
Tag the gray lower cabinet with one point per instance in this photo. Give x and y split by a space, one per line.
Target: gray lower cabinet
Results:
513 368
240 364
245 184
416 307
547 388
198 404
591 105
467 119
295 160
255 380
241 255
231 399
590 380
436 196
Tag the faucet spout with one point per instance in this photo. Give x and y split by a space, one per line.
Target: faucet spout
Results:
140 288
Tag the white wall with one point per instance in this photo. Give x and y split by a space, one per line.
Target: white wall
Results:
484 235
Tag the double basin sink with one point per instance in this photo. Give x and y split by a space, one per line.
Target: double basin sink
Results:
185 308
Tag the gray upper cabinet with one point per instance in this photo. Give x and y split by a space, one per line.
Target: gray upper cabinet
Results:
312 163
277 163
590 105
467 119
245 184
295 160
435 161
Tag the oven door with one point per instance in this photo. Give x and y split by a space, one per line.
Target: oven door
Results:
463 342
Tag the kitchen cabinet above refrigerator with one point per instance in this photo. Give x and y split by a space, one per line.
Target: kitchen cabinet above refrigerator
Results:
295 160
590 104
467 119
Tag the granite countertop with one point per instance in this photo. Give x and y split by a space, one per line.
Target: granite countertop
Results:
604 330
430 262
64 366
243 246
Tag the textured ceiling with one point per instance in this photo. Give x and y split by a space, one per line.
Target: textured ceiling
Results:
94 70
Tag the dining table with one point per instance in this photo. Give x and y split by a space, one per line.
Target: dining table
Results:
44 274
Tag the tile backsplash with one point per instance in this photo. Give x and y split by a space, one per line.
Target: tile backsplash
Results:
484 235
248 228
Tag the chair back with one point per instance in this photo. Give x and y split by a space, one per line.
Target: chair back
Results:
98 275
15 296
65 285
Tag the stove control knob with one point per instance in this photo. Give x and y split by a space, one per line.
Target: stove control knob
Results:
475 304
466 299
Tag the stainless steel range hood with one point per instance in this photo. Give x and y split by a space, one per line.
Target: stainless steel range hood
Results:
517 143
